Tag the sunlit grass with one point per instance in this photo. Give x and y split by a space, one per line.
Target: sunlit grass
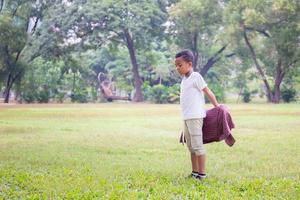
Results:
131 151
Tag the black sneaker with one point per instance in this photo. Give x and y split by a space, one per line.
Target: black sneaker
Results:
201 176
193 175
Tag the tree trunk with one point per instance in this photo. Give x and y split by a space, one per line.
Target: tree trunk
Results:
195 51
7 89
258 67
278 80
276 95
211 61
10 81
11 78
138 96
1 5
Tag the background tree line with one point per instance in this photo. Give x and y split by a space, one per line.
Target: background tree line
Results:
55 49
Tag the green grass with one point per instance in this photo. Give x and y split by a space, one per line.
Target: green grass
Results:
131 151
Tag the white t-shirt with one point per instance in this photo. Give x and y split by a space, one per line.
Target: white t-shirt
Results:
192 97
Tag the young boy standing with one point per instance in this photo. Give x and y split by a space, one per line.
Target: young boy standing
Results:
192 90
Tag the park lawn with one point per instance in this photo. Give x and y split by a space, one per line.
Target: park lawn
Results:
131 151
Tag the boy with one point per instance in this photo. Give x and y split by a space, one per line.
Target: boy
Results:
192 105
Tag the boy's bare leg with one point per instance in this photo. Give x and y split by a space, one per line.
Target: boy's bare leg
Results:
198 163
194 160
201 164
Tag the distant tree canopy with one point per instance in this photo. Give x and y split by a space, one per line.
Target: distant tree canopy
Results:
58 47
201 33
270 30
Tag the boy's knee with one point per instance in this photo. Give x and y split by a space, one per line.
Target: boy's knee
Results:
200 152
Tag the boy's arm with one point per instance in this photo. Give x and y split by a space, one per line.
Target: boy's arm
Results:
211 96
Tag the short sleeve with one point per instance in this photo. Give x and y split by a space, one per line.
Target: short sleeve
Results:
200 82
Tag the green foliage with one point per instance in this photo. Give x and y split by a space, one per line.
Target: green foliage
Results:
105 23
272 29
12 41
196 25
247 94
56 80
60 96
43 95
79 95
288 94
156 64
92 91
159 94
118 67
41 80
209 11
75 40
74 84
174 93
146 88
29 96
219 92
215 84
12 38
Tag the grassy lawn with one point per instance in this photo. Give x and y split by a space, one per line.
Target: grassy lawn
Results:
131 151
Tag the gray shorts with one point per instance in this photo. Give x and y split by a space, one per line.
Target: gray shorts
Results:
192 131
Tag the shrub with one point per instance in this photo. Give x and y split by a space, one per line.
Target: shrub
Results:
146 88
93 94
60 96
79 95
159 94
174 93
43 95
288 94
29 96
246 96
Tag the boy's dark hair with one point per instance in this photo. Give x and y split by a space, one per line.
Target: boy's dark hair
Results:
186 54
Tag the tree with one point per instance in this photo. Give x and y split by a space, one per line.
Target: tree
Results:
270 30
18 22
12 42
196 24
92 24
44 77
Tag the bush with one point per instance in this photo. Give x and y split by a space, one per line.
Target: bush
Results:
246 96
159 94
174 93
146 88
60 96
93 94
288 94
28 96
79 95
43 95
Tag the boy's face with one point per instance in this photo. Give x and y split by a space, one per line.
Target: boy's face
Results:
183 67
